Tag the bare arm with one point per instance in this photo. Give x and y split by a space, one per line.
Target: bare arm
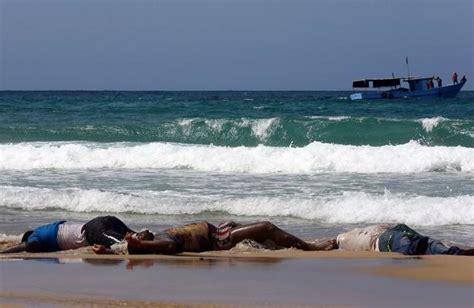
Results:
151 247
102 250
17 248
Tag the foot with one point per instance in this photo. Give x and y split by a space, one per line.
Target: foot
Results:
466 252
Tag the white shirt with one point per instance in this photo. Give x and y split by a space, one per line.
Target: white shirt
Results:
70 236
361 239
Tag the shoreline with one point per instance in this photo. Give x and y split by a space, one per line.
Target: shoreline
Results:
457 269
285 278
240 277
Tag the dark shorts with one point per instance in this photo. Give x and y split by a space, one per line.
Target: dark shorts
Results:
105 231
403 239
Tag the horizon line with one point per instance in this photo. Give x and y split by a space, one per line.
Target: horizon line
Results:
182 90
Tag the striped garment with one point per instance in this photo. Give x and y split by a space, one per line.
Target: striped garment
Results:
222 236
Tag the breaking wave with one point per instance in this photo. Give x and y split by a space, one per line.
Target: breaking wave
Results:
273 131
313 158
343 207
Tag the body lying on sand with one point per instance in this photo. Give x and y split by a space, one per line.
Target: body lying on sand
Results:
109 235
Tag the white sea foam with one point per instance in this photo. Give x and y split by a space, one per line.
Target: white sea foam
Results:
263 128
9 238
430 123
185 122
215 124
340 118
313 158
335 118
345 207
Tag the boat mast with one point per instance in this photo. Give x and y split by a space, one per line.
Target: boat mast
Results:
408 67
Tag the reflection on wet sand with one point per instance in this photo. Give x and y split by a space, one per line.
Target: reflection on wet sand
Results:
184 262
130 264
232 280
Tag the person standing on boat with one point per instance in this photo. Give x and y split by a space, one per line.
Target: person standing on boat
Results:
455 78
440 82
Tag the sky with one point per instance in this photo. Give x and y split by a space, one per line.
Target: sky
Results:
230 45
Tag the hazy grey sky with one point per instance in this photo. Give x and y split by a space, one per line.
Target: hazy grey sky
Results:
230 45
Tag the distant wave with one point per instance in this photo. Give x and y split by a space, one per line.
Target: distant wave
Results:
313 158
273 131
345 207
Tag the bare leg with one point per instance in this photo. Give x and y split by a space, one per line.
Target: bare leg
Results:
17 248
466 252
262 231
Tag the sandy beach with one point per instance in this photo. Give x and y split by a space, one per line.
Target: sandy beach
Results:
236 278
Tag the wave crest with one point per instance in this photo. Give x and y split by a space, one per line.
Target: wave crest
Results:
313 158
345 207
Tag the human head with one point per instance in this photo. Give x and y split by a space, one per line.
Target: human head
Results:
26 235
144 235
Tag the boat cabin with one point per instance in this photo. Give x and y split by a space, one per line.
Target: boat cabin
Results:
376 83
416 84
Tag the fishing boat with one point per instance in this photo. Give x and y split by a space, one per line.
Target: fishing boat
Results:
387 88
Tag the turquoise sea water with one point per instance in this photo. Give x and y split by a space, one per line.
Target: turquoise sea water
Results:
313 162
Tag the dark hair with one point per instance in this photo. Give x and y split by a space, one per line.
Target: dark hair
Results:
145 235
26 235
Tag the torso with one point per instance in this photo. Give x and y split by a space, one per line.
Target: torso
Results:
70 236
361 239
195 237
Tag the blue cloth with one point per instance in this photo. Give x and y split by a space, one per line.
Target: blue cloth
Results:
408 245
46 236
436 247
403 239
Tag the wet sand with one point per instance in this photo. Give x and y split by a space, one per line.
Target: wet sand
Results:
243 278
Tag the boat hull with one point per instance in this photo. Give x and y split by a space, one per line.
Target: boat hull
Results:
446 91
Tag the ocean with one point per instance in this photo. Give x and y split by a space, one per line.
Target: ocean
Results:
314 163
